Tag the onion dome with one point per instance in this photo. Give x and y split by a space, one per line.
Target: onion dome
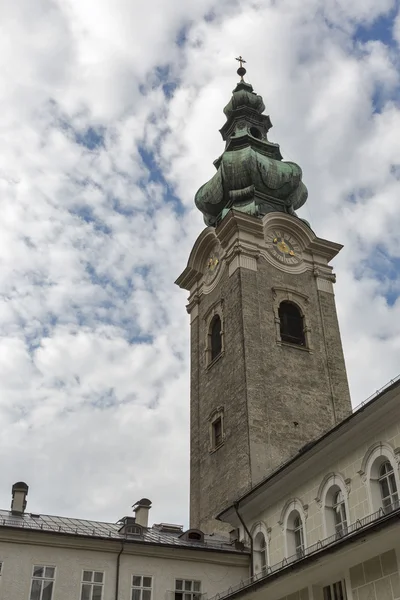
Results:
251 176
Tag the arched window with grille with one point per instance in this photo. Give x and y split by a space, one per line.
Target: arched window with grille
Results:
215 337
339 513
388 487
291 324
295 538
260 553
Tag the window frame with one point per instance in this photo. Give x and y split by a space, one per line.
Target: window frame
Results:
216 416
292 509
339 510
390 479
42 578
260 549
184 592
285 318
142 588
332 591
215 319
92 583
377 454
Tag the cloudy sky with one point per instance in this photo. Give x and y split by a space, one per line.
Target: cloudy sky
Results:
109 120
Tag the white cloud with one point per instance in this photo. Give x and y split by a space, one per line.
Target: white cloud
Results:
94 351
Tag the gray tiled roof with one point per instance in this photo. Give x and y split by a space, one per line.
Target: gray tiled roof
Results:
98 529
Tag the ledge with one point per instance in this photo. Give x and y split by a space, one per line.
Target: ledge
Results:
215 360
295 346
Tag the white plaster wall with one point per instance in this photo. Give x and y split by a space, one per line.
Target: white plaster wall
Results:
18 560
358 500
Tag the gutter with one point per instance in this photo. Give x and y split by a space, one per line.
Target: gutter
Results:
118 567
250 537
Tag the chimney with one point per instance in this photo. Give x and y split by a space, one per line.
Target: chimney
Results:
19 494
141 510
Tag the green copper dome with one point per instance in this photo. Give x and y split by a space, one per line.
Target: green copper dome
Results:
251 175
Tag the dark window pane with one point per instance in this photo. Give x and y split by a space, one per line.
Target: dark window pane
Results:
178 595
216 340
97 591
217 431
196 586
47 590
87 575
384 487
49 572
146 595
136 580
327 593
136 593
291 324
86 589
392 481
35 590
179 584
38 571
98 577
146 581
188 585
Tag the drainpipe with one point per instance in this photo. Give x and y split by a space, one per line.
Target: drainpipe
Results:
235 506
117 574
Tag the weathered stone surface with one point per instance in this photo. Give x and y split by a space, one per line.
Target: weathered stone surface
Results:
276 397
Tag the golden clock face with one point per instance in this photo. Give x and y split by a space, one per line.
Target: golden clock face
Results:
212 266
284 248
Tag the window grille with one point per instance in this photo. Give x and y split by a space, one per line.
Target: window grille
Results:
388 487
92 585
298 536
339 510
42 583
186 589
141 587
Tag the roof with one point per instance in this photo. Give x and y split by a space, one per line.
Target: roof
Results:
110 531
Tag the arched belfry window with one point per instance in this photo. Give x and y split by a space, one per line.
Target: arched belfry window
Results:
216 337
291 324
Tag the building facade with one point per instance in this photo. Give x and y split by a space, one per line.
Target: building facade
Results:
293 496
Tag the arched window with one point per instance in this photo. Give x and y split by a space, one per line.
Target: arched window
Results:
388 487
260 553
339 514
298 536
215 337
291 324
295 535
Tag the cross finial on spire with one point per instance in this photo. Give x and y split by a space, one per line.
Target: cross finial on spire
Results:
241 70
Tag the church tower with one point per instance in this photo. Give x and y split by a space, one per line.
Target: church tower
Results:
267 366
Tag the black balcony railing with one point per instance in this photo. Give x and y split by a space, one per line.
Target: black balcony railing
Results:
314 549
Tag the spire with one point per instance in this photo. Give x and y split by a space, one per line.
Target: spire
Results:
241 70
251 176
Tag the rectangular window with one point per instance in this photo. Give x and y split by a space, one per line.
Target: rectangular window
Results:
141 587
217 432
42 583
92 585
186 589
1 568
335 591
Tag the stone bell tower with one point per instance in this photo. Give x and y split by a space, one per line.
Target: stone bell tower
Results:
267 366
